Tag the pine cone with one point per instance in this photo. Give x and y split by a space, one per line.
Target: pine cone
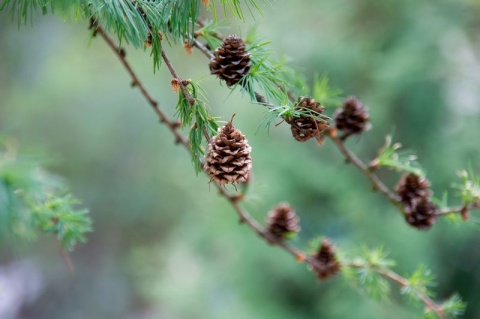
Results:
421 213
353 117
327 264
311 123
231 62
412 187
282 221
228 159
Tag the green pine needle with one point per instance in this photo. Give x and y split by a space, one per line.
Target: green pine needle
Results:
198 117
454 307
418 283
265 74
324 93
184 111
390 157
235 7
367 278
469 188
210 32
286 110
197 151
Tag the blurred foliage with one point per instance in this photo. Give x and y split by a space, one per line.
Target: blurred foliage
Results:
131 21
366 277
165 245
392 157
32 200
469 188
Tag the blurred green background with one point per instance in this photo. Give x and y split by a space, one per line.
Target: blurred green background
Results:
165 245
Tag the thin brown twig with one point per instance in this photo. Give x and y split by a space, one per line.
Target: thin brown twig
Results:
174 73
377 183
234 200
68 262
187 95
172 125
458 209
202 48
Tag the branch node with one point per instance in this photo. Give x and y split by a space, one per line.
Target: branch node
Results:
122 53
188 47
465 213
300 257
332 132
237 197
175 84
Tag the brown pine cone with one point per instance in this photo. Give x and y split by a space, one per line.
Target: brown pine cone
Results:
231 61
411 187
282 221
228 159
311 122
353 117
327 264
421 213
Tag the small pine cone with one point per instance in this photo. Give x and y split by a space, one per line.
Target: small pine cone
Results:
421 213
231 62
327 264
311 123
412 187
353 117
228 159
282 221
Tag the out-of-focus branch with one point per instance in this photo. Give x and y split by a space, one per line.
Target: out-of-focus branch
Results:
377 183
402 282
68 262
459 209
